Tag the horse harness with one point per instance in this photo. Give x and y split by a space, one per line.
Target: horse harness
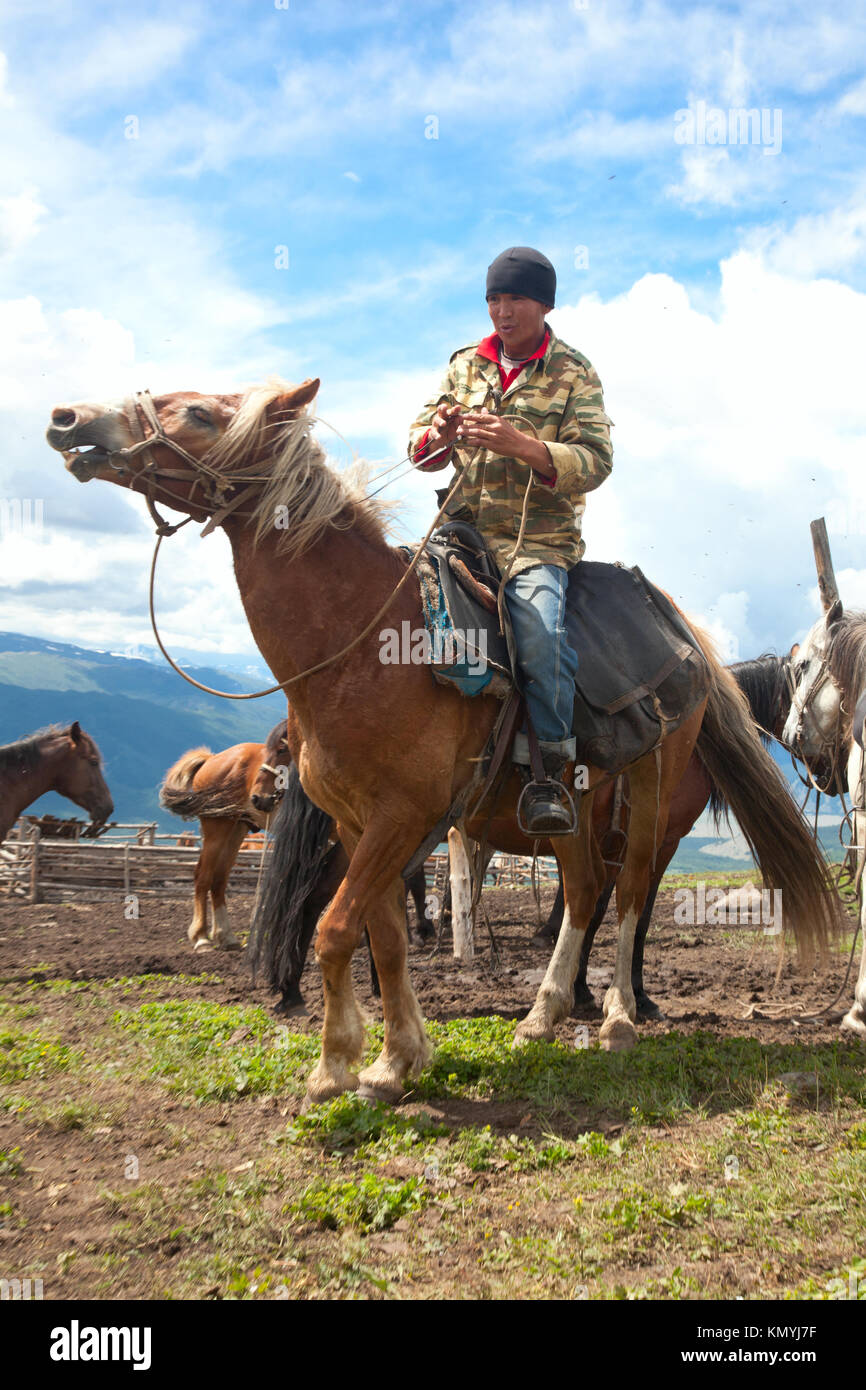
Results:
831 745
214 484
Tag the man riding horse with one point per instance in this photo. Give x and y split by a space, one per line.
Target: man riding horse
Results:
562 442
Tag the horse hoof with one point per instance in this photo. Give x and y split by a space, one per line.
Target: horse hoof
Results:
297 1009
380 1094
618 1035
583 1003
320 1090
527 1032
202 945
648 1010
854 1022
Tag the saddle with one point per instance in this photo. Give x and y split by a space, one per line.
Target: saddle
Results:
641 671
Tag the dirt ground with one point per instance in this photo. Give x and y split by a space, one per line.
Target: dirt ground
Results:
62 1222
701 977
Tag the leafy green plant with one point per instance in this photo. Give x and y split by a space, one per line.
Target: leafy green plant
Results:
192 1048
368 1202
347 1123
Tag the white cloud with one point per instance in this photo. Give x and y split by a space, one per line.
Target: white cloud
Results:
73 350
603 136
19 217
723 178
825 242
853 103
731 435
6 98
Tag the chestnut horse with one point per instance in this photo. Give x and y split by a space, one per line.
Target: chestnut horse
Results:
304 871
229 793
53 760
764 684
383 749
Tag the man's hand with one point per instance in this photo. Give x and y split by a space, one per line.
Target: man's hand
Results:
483 430
444 427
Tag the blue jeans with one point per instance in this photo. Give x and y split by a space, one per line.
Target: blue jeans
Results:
548 664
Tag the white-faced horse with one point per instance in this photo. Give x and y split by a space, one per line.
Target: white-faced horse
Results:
829 679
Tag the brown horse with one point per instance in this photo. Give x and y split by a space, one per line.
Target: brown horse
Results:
307 867
763 682
228 793
383 749
53 760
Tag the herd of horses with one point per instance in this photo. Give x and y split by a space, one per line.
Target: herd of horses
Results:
379 755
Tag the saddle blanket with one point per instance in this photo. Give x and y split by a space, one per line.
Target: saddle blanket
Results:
640 669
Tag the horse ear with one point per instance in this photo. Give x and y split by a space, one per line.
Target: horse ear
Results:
299 396
794 650
74 732
834 612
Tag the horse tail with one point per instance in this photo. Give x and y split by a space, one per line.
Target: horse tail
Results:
227 798
176 789
304 871
750 784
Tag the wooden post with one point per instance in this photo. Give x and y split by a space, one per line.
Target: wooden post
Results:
34 866
461 897
126 869
824 565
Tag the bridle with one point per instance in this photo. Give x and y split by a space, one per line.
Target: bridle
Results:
215 485
831 745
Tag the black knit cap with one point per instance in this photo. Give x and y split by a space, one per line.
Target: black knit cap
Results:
522 270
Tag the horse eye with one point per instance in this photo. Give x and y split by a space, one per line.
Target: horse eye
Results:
199 413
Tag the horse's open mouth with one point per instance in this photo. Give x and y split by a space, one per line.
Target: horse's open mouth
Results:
83 464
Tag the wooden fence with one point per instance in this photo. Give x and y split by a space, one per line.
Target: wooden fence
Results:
128 859
37 868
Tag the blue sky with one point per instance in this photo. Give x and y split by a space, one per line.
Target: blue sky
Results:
718 288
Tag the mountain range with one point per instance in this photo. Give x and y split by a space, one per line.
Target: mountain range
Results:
141 713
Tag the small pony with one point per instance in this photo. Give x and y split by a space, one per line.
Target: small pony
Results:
229 793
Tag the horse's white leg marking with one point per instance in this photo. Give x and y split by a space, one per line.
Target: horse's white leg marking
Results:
553 1000
618 1030
222 934
198 932
407 1048
855 1019
342 1036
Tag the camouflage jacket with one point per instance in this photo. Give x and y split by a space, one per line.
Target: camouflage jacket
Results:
560 394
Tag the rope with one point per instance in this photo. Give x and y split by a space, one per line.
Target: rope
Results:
261 867
810 1018
163 530
311 670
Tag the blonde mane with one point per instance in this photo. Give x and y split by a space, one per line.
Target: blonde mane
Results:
299 488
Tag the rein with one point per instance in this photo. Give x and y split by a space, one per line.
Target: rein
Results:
217 485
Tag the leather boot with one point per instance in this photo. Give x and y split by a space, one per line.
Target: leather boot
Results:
543 806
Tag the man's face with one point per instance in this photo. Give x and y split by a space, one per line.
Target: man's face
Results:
518 321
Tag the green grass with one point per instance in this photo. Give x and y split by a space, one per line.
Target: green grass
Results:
188 1047
662 1078
271 1209
26 1055
347 1124
368 1202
